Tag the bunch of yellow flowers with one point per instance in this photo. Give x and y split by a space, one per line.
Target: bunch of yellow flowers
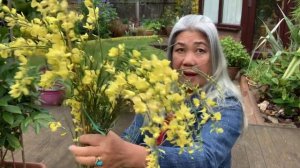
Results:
100 87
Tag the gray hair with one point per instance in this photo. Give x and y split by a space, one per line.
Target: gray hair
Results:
220 76
219 66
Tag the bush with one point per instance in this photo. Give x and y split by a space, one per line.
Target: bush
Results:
235 53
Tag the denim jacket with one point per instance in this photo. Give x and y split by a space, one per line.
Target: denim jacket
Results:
216 151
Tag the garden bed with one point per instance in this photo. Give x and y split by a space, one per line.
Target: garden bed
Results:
262 112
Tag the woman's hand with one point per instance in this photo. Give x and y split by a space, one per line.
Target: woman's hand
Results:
113 151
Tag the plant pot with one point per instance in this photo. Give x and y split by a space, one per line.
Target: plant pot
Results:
20 165
169 30
149 32
232 72
52 97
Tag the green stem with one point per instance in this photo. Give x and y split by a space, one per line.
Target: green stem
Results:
292 67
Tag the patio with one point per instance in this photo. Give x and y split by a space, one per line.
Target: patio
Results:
260 147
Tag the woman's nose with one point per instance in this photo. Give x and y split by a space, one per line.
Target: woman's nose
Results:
189 59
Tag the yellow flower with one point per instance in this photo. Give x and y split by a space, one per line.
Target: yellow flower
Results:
4 52
217 116
88 26
219 130
205 118
15 91
113 52
139 106
76 55
47 79
5 9
141 84
89 77
1 14
121 47
128 94
149 141
136 53
210 102
54 126
110 68
203 95
152 160
132 78
196 102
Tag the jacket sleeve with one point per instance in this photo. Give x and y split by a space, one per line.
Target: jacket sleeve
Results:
216 147
132 133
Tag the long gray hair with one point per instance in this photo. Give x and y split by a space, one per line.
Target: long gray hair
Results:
219 66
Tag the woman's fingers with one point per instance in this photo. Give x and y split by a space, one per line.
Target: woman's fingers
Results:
85 150
86 160
91 139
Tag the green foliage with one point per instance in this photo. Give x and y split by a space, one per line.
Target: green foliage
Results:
282 77
152 24
169 17
284 93
16 115
24 6
107 13
4 33
142 44
235 53
184 7
257 69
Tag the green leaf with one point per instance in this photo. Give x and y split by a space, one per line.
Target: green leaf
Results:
275 80
25 124
18 121
13 109
2 140
284 94
42 116
3 101
278 101
43 123
13 141
37 127
8 117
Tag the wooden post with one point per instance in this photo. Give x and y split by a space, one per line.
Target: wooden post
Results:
10 30
137 10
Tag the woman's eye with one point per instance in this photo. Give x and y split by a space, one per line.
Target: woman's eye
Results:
179 50
200 51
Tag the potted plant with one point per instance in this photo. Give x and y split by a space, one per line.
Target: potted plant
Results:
53 96
18 112
100 86
236 55
281 71
18 97
152 26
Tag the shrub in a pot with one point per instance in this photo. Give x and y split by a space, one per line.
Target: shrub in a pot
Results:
236 55
18 96
18 109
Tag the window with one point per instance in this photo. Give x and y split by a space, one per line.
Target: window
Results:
225 13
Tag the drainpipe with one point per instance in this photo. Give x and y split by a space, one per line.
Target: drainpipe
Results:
10 30
137 12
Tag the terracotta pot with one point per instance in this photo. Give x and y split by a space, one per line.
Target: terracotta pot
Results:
232 72
20 165
149 32
168 30
52 97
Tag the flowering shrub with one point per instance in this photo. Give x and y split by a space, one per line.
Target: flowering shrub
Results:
101 86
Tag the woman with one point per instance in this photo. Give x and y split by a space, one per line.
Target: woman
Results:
193 42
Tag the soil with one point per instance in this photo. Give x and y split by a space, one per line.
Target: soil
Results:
271 113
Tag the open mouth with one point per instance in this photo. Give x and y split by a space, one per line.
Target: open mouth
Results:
189 74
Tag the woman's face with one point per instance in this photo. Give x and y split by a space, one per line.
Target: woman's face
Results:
192 49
